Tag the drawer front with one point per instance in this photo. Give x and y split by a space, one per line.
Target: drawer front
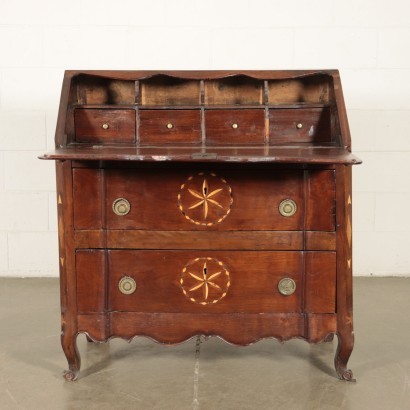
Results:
197 281
169 127
169 200
225 127
177 200
104 126
311 125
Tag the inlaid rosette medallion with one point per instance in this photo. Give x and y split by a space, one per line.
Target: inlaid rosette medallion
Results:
205 281
205 199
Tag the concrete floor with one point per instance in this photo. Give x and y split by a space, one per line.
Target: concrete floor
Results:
203 374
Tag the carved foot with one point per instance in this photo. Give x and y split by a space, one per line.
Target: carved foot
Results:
329 338
69 344
345 374
344 350
70 375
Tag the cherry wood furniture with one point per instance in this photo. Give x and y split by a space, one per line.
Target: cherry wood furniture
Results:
204 203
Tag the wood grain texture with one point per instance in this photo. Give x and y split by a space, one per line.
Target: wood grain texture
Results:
233 127
254 281
314 122
321 201
256 198
90 268
89 126
271 155
185 127
204 239
320 282
88 191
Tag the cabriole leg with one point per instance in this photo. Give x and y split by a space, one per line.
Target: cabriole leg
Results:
69 344
343 352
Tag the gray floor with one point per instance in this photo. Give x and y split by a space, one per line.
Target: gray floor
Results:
203 374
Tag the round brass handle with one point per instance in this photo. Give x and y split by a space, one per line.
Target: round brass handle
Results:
235 125
121 206
170 125
105 126
287 207
127 285
299 125
287 286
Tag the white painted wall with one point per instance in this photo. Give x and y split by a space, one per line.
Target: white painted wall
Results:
368 40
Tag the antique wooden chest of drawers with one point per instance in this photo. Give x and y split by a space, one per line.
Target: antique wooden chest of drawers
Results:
204 203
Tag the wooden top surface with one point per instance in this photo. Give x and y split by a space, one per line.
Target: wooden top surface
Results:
284 154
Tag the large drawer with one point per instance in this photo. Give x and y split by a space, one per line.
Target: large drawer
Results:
205 281
155 199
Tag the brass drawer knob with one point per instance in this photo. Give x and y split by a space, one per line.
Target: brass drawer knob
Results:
287 207
105 126
235 125
121 207
170 125
127 285
287 286
299 125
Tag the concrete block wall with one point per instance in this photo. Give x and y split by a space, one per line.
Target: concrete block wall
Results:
368 40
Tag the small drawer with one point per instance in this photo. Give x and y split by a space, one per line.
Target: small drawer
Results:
104 126
310 125
170 127
225 127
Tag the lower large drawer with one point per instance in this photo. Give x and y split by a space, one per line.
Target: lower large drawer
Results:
205 281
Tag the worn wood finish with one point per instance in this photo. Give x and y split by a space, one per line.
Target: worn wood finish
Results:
104 126
169 127
302 125
233 127
170 197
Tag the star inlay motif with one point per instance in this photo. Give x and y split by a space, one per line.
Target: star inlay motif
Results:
205 198
205 280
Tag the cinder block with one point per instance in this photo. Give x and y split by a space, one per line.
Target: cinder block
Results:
381 89
363 211
52 212
282 13
24 211
394 46
4 258
168 48
22 130
380 130
51 123
336 48
391 212
381 253
33 253
31 88
25 172
21 46
263 48
85 47
382 172
1 171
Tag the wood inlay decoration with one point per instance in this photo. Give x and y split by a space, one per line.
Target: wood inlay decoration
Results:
205 199
205 280
174 185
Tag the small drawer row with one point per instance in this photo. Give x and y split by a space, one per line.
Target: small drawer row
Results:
189 126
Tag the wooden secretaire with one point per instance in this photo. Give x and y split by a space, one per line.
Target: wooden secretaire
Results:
204 203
